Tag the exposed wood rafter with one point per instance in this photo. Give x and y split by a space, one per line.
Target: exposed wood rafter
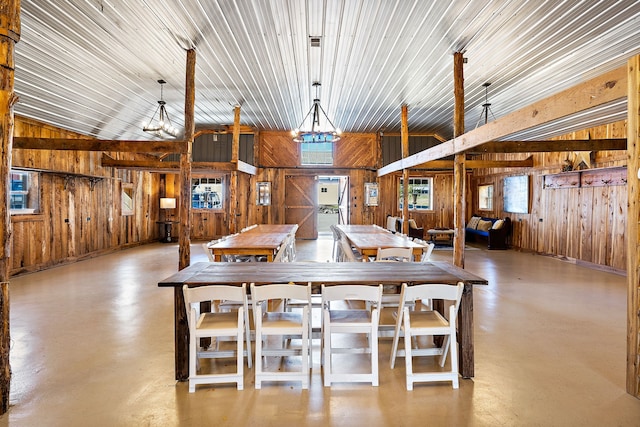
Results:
598 91
550 146
99 145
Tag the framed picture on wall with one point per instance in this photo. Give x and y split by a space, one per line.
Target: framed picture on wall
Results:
516 194
371 193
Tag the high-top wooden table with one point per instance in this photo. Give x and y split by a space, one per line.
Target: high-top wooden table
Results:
262 240
386 273
368 238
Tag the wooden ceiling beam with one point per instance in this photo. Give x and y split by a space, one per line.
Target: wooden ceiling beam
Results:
224 129
478 164
29 143
432 135
601 90
550 146
165 167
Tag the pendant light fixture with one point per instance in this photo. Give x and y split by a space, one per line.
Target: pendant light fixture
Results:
316 133
161 127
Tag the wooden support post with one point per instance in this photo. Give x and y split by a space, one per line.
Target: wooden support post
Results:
233 185
235 145
633 230
459 168
465 321
233 202
182 329
9 36
404 137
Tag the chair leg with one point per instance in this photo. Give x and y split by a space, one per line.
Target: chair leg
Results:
247 331
306 350
407 351
258 361
396 338
454 358
326 342
374 354
192 362
240 357
445 348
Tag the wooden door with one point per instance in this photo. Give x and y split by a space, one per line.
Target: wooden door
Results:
301 204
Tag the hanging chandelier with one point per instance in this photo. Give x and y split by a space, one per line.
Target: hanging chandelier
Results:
162 127
316 133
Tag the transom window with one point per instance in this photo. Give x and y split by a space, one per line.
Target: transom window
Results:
420 193
316 153
206 193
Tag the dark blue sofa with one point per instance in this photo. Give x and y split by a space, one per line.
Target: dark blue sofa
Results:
496 237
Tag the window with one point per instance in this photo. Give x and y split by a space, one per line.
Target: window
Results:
206 193
24 195
316 153
420 193
485 197
127 199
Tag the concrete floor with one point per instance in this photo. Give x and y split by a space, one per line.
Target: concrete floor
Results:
92 344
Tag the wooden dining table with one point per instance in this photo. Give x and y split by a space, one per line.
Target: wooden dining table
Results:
391 273
368 238
261 240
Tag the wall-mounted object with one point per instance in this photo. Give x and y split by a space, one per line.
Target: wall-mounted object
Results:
516 194
263 193
371 193
602 177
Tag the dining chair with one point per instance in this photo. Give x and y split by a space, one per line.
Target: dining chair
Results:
207 251
270 321
335 252
427 322
394 254
347 253
215 325
390 297
427 249
350 309
282 253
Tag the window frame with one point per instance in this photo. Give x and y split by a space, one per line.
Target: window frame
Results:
489 199
220 197
303 144
32 193
412 180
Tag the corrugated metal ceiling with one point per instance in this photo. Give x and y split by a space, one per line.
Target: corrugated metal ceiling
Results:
91 65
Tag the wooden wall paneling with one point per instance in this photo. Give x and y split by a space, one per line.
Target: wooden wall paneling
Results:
597 239
356 150
618 208
71 219
586 223
107 229
278 149
571 224
537 210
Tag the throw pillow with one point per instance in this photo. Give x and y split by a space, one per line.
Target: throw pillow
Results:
484 225
473 222
498 224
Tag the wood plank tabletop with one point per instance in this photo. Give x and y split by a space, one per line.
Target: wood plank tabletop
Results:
317 273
